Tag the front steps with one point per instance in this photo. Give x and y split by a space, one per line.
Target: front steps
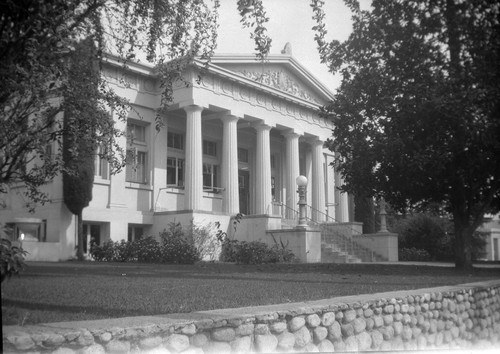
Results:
338 246
330 254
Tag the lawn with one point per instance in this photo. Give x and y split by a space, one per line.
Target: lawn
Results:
52 292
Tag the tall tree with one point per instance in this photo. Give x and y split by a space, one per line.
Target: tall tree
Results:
36 38
417 116
81 114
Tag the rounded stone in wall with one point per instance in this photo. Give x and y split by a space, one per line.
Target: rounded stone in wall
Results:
364 341
296 323
241 345
359 325
266 343
347 329
278 327
378 321
93 349
313 320
339 345
325 346
286 341
351 344
320 333
377 339
369 324
199 340
349 316
334 331
224 334
302 337
327 318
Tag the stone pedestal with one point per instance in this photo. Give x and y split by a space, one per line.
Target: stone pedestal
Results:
382 243
305 243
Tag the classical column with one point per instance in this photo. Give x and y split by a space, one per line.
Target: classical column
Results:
342 209
263 196
231 197
318 182
193 182
292 172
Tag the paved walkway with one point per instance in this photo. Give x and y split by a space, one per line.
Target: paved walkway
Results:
441 264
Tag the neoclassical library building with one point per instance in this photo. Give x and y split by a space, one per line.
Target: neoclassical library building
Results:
232 143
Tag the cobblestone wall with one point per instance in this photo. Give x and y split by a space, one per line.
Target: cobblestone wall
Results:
462 317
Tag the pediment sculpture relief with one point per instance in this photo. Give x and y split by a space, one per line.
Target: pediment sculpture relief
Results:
279 80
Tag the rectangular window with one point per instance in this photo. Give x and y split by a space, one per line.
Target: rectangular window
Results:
175 141
135 232
136 133
100 164
209 148
210 177
31 231
175 172
136 166
242 155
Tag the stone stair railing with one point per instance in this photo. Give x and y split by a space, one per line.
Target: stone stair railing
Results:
336 246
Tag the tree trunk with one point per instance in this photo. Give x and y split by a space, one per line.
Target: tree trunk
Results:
463 246
79 252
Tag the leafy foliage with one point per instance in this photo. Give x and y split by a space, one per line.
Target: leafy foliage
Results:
11 259
255 252
414 254
253 14
417 116
174 248
38 37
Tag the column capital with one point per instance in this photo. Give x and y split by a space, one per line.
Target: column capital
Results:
315 141
292 133
230 118
193 108
262 127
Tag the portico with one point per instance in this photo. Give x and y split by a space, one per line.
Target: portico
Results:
265 131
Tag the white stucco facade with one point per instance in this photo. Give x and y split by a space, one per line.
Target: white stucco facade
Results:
231 143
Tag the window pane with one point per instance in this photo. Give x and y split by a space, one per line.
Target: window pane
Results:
209 148
175 141
180 172
136 132
171 171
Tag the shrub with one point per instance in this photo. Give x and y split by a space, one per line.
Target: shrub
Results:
414 254
11 259
176 248
204 240
124 251
255 252
147 249
229 250
104 252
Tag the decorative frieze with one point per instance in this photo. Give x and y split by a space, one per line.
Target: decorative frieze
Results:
281 81
221 86
130 80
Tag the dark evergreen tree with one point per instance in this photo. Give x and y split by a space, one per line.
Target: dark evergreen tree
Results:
81 106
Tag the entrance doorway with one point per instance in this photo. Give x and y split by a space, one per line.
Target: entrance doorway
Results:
243 185
91 232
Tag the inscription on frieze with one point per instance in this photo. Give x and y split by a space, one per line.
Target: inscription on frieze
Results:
279 80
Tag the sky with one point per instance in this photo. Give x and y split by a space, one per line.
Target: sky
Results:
289 21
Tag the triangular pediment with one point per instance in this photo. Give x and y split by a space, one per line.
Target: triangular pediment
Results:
280 72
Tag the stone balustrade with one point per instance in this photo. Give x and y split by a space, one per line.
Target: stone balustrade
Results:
463 316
